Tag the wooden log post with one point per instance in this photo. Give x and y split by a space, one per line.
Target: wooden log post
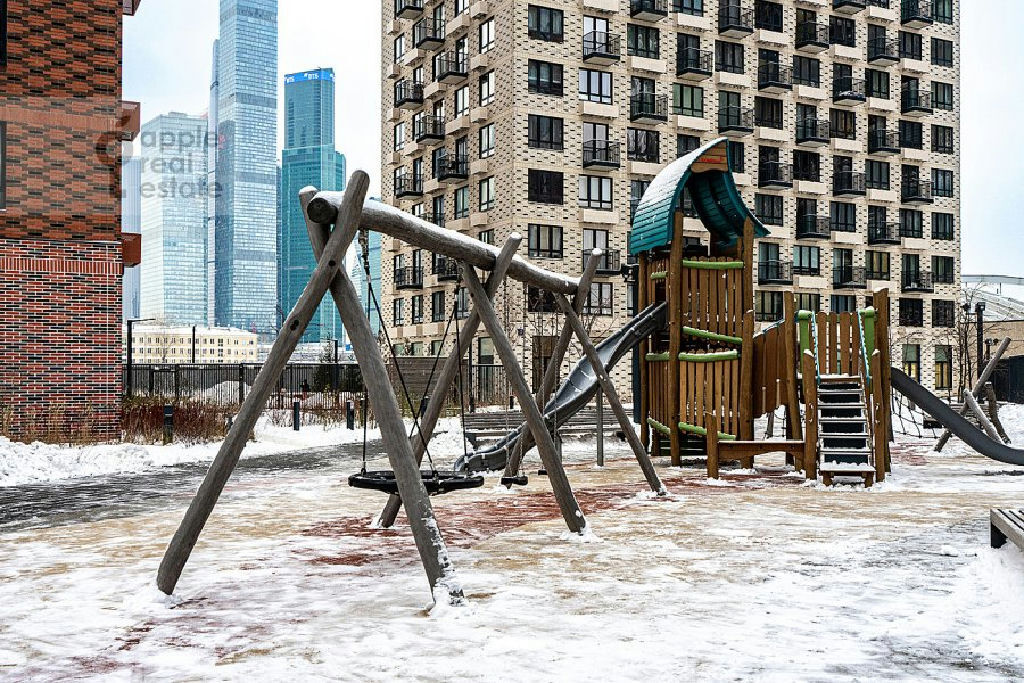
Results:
992 403
199 510
644 460
425 531
560 486
789 351
711 424
747 379
986 425
643 282
811 416
674 297
446 378
526 441
977 389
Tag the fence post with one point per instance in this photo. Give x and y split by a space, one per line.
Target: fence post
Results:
177 383
241 384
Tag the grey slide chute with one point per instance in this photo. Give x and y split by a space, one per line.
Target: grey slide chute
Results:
577 390
954 422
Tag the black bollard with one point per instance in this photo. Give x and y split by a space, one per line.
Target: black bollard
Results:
168 423
295 412
350 415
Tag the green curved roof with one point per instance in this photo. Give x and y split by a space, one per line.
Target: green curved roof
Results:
715 197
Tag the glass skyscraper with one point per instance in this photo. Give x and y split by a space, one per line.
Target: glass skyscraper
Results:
245 259
309 158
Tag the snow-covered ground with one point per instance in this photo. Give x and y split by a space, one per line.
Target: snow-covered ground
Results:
760 577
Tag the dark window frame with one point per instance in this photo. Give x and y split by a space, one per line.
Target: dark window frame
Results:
598 78
552 84
769 208
535 23
538 231
943 189
725 57
545 187
545 132
806 71
939 232
942 52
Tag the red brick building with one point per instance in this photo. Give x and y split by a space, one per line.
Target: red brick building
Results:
62 124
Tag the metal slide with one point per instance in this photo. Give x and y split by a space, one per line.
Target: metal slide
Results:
577 390
954 422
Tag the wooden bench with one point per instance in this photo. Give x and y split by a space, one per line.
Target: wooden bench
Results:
720 449
1007 525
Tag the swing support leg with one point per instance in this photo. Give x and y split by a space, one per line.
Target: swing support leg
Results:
644 460
552 372
570 509
426 533
428 421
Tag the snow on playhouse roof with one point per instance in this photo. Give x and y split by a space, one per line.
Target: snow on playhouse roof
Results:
707 173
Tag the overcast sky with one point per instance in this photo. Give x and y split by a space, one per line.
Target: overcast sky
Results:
167 68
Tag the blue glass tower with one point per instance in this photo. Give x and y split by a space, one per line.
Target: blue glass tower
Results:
245 259
309 158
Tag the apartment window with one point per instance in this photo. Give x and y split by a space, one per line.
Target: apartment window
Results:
844 217
806 261
595 86
399 136
942 52
540 301
912 358
545 23
399 42
942 95
596 192
942 11
943 367
878 264
462 203
843 124
600 301
729 57
462 101
843 303
808 302
691 7
768 15
942 182
910 45
768 306
911 223
943 313
842 31
545 241
417 309
877 173
486 35
437 307
398 311
911 134
686 144
769 208
942 226
461 303
877 83
737 156
806 166
687 100
545 187
545 78
942 139
545 132
486 88
486 135
768 112
486 236
943 269
487 194
643 145
643 41
461 6
806 71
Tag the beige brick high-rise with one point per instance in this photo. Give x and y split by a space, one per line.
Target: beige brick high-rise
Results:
831 106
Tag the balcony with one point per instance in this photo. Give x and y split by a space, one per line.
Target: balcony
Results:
408 9
916 102
601 154
848 184
610 262
774 78
451 67
849 277
408 186
887 232
813 227
648 108
648 10
812 37
772 174
917 281
883 51
428 128
453 168
408 95
812 132
428 34
774 273
410 277
916 192
694 65
884 142
735 22
601 48
736 121
849 91
916 13
446 269
849 6
129 117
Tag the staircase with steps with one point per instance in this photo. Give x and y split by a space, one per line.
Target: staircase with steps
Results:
844 442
